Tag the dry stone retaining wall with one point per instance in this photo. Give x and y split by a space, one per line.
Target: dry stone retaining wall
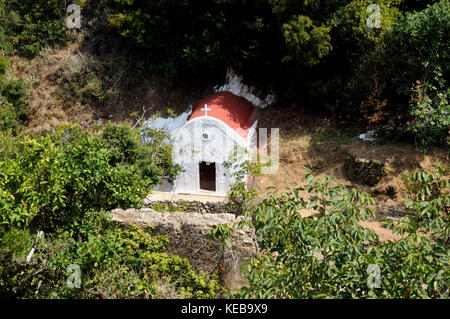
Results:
188 235
189 206
360 170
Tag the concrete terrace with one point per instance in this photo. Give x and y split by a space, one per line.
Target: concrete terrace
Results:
168 196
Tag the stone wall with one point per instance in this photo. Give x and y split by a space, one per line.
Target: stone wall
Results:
188 235
188 206
360 170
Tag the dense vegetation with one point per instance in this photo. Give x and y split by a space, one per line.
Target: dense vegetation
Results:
28 25
53 181
320 55
62 184
334 257
330 255
113 262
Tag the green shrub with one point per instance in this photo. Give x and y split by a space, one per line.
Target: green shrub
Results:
16 93
331 255
417 48
154 159
428 199
15 244
34 24
54 181
189 38
13 99
431 114
9 145
8 116
121 262
4 66
93 90
307 43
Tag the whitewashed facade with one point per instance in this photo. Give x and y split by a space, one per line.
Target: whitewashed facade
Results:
207 140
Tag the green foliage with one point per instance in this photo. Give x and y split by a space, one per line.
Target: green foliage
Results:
431 115
4 66
15 92
13 99
332 256
221 232
187 36
351 20
428 202
8 116
55 180
154 159
307 43
15 244
9 145
30 25
239 196
64 183
92 89
417 47
318 53
351 79
341 65
121 262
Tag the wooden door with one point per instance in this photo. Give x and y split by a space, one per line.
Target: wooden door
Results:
207 176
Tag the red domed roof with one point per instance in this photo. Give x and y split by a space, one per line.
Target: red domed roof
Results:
231 109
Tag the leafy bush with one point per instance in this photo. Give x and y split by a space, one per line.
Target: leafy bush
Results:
15 92
189 36
154 158
417 47
331 256
429 201
307 43
54 181
32 24
240 196
431 115
114 261
354 74
64 183
4 66
8 145
419 59
8 116
13 99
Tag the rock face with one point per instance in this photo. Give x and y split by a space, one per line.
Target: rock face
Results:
368 172
188 235
234 84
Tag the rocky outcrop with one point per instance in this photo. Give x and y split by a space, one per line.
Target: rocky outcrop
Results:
188 235
234 84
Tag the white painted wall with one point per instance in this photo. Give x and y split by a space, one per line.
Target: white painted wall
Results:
191 148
